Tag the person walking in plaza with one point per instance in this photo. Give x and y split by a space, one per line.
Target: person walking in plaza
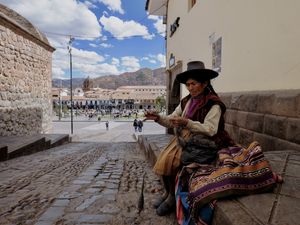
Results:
107 125
135 125
140 125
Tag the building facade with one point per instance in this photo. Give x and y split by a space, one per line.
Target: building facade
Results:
253 44
25 76
124 97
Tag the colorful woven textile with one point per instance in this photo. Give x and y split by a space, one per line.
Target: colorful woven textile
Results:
205 213
238 171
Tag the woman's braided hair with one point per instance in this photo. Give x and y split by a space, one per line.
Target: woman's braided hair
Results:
209 88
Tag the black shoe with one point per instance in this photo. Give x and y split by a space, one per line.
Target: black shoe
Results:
158 202
165 209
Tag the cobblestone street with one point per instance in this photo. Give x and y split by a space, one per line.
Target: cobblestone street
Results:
79 183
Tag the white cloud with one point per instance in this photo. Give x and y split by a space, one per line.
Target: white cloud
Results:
97 69
123 29
58 17
149 37
57 73
61 59
105 45
145 58
162 59
115 61
93 45
90 4
130 63
158 24
155 59
113 5
88 57
103 38
87 62
74 17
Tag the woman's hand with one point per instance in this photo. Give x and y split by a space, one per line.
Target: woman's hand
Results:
151 115
179 121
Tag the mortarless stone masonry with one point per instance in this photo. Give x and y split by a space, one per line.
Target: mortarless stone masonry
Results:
25 77
270 117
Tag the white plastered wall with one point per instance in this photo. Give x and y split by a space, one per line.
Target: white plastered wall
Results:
260 41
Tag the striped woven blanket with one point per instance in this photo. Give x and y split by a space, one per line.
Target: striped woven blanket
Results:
238 171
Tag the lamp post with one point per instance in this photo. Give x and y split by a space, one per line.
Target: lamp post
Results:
71 83
60 103
59 99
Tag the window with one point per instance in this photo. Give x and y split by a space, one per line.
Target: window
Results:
217 55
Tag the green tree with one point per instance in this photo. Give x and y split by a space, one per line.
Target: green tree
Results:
160 102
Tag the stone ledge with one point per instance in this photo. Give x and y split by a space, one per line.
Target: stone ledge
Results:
3 153
277 102
16 146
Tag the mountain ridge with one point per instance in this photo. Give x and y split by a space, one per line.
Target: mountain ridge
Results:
144 76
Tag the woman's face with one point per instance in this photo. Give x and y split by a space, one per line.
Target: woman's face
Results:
194 87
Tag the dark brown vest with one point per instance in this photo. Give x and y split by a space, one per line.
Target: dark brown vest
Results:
222 138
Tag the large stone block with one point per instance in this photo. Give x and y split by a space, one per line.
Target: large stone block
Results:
231 117
245 137
242 119
287 104
255 122
248 120
285 145
265 102
293 130
233 132
226 98
275 126
267 142
244 102
270 143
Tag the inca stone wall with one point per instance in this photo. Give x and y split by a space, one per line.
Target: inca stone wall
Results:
25 77
272 118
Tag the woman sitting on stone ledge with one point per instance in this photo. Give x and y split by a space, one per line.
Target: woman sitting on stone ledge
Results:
205 159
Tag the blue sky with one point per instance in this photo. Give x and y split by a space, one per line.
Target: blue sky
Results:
110 36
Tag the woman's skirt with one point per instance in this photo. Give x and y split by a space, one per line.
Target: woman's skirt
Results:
168 161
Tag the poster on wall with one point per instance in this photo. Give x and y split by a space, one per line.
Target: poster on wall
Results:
217 55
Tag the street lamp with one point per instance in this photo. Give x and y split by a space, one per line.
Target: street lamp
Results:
59 115
60 103
71 83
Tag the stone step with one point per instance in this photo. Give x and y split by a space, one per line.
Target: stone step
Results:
3 152
57 139
15 146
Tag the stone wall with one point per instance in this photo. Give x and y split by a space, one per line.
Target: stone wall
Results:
25 78
271 117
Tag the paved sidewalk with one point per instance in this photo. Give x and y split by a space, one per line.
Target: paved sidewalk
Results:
96 180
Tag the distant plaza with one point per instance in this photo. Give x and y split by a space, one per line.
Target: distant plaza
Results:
123 99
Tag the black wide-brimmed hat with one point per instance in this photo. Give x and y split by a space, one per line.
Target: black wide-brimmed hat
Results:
196 70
